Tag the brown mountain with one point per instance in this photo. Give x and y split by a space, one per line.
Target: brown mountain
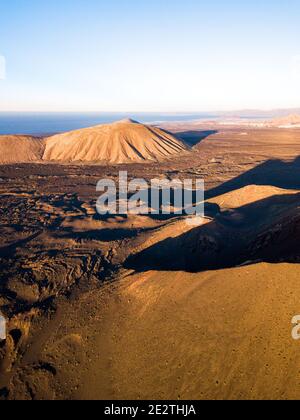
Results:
121 142
20 149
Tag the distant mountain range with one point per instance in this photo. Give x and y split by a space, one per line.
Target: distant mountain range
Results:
264 114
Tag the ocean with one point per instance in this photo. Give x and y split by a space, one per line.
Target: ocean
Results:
50 123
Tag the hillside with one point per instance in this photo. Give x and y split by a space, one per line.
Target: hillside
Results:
20 149
121 142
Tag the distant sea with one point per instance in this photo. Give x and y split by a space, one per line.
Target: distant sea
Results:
50 123
43 124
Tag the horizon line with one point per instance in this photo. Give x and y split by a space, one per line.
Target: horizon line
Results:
153 112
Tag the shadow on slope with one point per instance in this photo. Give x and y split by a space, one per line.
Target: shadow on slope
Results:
266 230
273 172
194 137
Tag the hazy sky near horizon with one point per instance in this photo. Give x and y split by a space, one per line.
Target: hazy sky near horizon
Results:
136 55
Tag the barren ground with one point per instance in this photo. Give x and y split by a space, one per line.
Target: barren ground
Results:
143 307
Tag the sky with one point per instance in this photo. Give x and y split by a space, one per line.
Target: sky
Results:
149 56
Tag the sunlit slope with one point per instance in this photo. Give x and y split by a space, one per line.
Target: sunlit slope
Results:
122 142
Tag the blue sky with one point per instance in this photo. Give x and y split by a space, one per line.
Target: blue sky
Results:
129 55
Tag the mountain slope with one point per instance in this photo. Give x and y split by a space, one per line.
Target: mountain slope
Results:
20 149
162 335
121 142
